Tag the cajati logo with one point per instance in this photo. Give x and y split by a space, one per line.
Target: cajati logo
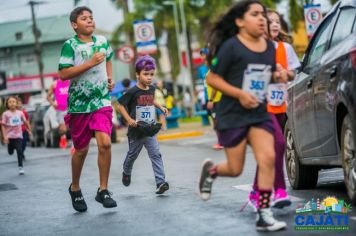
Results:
327 214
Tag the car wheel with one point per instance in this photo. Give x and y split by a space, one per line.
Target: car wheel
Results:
348 158
299 176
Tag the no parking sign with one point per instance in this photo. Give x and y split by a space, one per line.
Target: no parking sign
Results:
313 16
145 36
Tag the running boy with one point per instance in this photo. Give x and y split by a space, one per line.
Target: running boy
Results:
137 106
12 120
85 61
241 62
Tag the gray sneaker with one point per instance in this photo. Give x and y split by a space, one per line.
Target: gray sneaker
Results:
266 222
206 181
21 171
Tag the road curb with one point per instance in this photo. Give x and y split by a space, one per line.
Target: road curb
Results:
179 135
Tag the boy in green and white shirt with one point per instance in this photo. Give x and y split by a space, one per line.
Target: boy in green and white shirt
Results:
85 61
88 91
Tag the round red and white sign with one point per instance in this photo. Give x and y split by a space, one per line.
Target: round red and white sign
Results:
126 54
313 16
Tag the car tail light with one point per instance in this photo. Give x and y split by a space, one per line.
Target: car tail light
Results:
353 57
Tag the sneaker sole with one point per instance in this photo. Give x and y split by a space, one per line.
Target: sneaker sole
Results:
272 228
281 203
203 196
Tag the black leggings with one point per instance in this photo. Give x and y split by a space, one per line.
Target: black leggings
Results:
16 144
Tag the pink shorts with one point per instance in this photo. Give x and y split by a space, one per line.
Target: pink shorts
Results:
83 125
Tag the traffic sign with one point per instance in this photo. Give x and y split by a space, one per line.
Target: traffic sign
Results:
313 16
126 54
145 36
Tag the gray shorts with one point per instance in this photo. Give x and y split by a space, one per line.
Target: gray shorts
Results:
60 116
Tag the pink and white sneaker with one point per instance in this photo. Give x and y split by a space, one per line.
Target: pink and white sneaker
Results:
281 199
252 201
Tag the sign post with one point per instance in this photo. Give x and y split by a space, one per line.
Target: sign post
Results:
313 16
145 37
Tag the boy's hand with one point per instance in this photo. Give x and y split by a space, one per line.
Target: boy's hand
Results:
132 123
97 58
110 84
248 101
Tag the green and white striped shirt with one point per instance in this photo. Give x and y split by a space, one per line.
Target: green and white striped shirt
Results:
88 91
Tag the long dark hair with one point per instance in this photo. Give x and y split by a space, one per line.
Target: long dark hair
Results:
225 27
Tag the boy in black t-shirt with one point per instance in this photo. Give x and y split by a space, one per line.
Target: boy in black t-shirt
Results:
137 106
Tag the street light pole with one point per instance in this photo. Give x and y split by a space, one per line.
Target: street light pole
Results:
38 49
176 24
184 29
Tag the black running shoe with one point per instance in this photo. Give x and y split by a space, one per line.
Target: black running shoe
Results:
126 179
78 201
104 197
266 222
206 180
162 187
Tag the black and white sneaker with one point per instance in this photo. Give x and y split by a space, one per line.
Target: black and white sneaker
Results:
266 222
206 181
126 179
162 187
78 201
104 197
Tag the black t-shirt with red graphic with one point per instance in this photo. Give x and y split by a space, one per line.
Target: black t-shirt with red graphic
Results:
135 99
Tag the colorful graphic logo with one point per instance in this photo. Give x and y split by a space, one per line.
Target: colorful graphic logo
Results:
327 214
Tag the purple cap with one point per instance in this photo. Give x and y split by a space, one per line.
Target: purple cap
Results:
145 63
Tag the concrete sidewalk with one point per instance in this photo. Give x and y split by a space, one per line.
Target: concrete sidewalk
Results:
185 130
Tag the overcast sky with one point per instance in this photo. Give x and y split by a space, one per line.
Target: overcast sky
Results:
106 15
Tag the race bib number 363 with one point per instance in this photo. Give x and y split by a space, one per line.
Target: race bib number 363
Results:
146 114
256 80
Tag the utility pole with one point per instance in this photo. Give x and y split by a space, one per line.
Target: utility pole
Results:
129 38
188 57
38 49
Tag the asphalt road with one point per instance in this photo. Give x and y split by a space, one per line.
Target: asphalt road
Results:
38 202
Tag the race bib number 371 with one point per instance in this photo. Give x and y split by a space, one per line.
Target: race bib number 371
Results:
146 114
256 80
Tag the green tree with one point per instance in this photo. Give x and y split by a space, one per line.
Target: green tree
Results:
199 15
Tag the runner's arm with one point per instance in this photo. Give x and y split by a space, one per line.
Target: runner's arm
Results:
73 71
126 115
50 94
162 108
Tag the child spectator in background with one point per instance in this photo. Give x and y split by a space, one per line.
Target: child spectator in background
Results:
12 120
